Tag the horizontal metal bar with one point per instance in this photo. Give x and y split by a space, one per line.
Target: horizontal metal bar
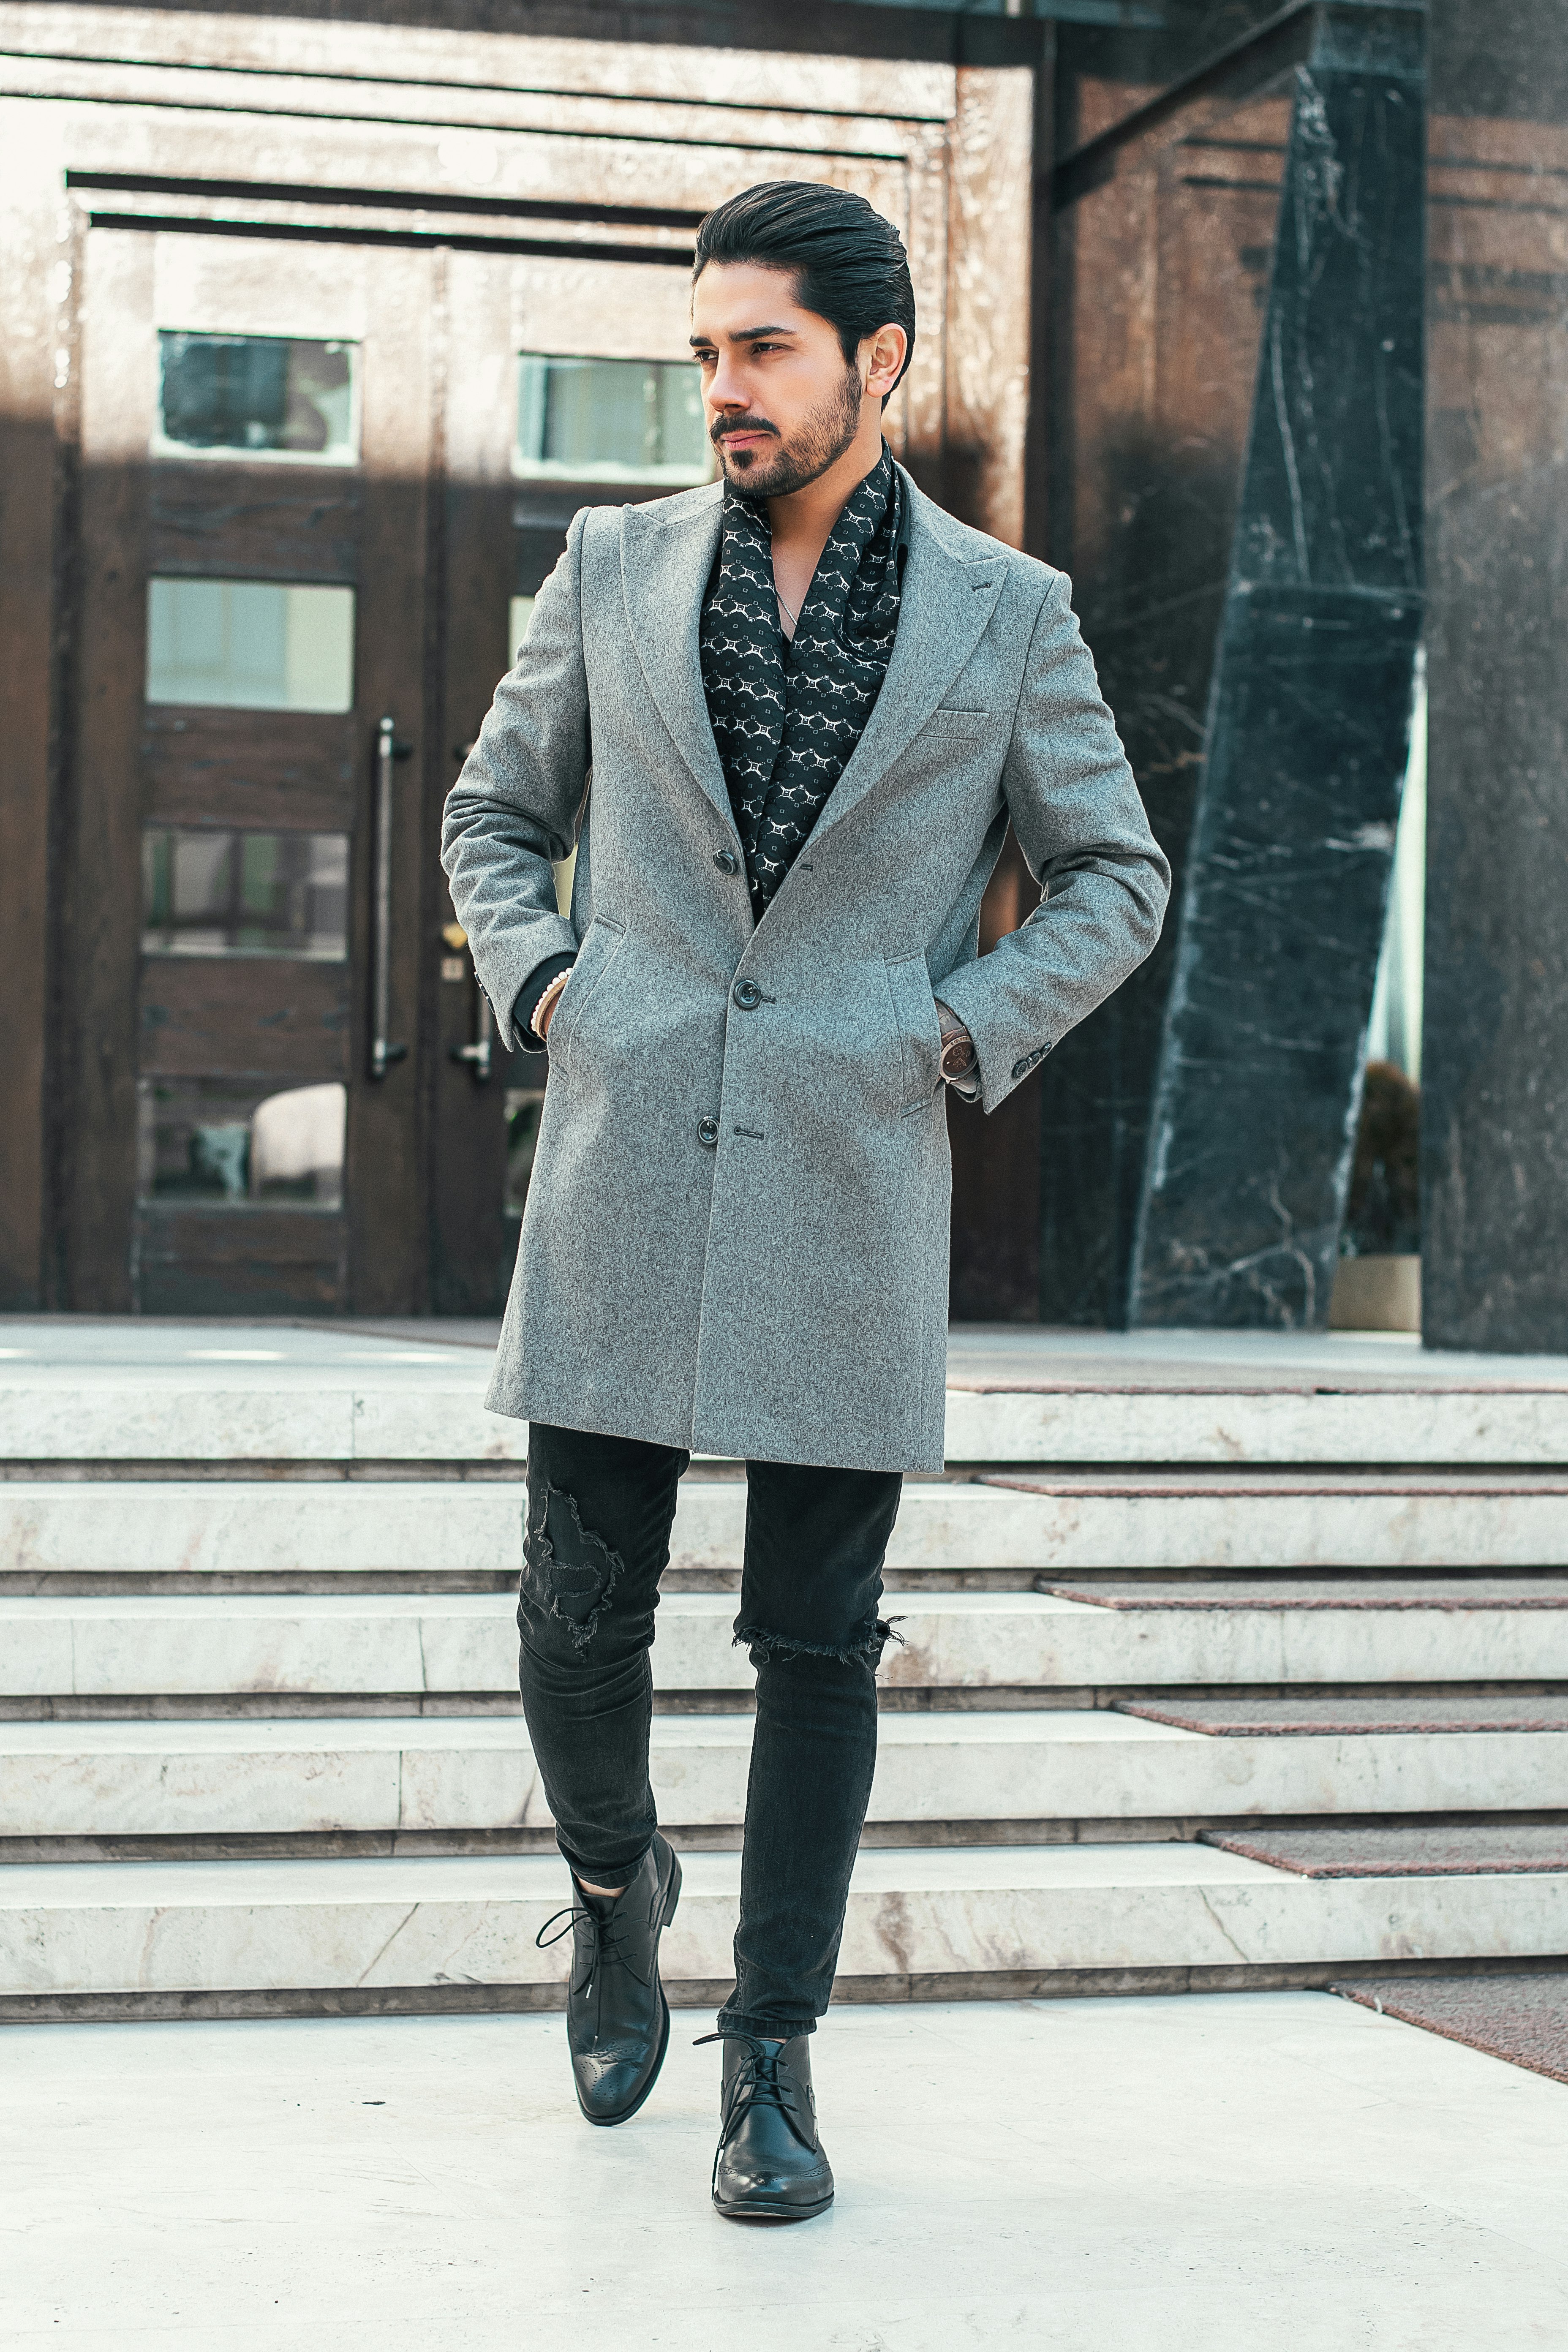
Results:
393 199
666 257
1136 15
1269 49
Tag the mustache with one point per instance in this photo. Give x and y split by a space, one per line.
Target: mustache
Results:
725 426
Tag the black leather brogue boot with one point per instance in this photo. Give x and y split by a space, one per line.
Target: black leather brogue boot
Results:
769 2166
617 2019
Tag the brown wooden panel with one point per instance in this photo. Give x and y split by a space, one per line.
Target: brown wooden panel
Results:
29 338
472 1244
397 671
275 769
240 1261
100 936
261 522
270 1016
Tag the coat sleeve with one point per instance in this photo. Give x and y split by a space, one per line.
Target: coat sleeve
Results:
1081 823
514 810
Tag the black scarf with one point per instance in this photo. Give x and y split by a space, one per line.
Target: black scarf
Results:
786 718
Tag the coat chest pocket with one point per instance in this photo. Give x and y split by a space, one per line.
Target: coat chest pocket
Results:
600 946
920 1031
956 726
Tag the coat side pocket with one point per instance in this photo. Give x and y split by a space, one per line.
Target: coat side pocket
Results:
597 952
920 1031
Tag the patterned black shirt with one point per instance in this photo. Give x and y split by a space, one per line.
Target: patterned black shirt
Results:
786 718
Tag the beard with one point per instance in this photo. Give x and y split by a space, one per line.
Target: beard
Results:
819 442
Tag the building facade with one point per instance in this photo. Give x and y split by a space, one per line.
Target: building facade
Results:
319 323
320 334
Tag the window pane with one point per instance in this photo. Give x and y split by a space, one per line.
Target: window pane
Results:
258 396
250 645
229 1146
211 892
519 612
682 435
611 420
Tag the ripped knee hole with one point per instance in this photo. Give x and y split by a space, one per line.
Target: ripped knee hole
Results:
568 1570
863 1649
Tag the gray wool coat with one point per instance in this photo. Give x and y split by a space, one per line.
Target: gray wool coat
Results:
736 1233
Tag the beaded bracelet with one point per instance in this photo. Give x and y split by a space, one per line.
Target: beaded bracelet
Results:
546 1002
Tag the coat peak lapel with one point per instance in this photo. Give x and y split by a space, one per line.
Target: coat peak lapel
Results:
949 596
665 558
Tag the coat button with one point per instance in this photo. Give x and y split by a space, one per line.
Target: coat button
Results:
747 994
726 861
708 1132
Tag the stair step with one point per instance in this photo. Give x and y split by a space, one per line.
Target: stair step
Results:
1050 1525
449 1773
1302 1592
1446 1711
1289 1519
1093 1421
436 1413
164 1416
137 1646
918 1920
1386 1850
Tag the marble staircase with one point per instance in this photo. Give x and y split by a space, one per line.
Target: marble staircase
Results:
306 1534
261 1747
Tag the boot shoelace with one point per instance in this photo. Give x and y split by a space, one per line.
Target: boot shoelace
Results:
607 1951
756 2084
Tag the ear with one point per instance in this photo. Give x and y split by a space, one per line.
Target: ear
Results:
882 355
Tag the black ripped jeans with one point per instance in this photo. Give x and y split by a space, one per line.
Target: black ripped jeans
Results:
599 1514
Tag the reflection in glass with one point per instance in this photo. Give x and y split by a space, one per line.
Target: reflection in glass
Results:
212 892
611 420
524 1106
250 645
214 1141
1394 1033
257 396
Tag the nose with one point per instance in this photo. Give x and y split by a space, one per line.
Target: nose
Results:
725 391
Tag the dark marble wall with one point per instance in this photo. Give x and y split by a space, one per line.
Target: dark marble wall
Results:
1161 271
1238 424
1287 866
1495 1072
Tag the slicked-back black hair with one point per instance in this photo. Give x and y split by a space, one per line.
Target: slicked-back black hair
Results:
849 264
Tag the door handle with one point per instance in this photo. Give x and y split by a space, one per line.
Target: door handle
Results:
383 1053
477 1052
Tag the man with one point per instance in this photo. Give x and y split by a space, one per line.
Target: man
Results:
809 701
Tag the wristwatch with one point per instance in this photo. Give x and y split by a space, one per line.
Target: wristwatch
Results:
957 1044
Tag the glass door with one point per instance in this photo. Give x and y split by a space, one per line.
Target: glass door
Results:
321 485
246 1130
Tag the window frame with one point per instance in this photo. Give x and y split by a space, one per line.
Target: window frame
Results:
229 453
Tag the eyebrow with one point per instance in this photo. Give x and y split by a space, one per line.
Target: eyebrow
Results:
747 334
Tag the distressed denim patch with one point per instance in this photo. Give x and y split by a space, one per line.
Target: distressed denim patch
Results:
568 1570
